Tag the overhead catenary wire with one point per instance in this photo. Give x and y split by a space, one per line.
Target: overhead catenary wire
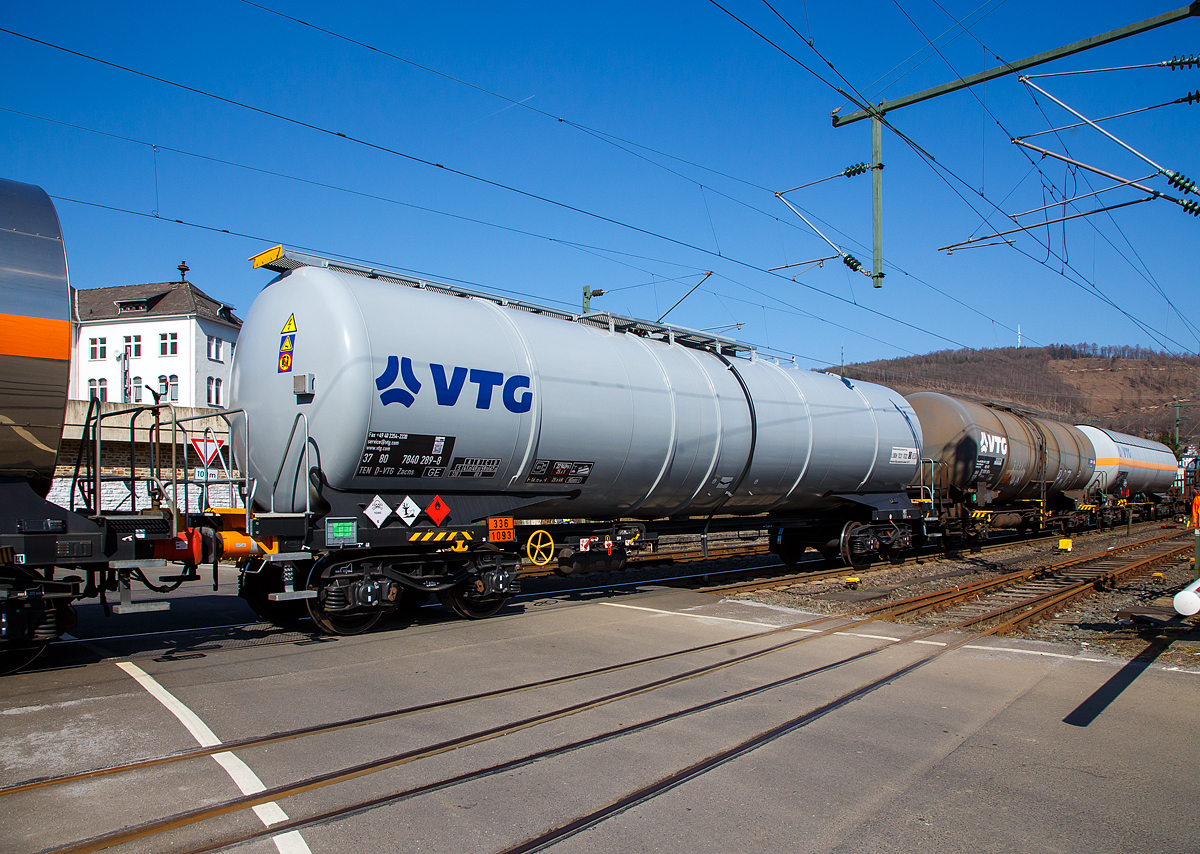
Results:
1137 322
621 142
939 168
482 180
612 139
581 246
1144 272
617 141
817 289
1141 324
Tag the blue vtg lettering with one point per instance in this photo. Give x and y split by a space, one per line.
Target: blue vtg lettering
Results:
514 391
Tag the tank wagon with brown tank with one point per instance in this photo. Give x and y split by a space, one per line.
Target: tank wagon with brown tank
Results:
987 466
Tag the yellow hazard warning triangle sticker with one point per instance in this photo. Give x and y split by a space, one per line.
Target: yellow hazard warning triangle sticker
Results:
290 326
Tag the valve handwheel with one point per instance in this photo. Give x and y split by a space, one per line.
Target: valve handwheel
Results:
540 547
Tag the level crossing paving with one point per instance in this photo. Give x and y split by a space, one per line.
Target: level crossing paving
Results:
969 751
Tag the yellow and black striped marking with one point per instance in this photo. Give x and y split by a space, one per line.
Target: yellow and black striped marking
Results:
440 536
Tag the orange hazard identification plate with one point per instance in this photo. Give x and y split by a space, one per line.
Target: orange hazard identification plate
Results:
500 530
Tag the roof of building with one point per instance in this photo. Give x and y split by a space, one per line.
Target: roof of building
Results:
161 299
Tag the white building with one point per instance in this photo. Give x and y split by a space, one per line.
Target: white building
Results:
168 338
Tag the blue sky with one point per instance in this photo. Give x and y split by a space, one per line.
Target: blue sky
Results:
680 123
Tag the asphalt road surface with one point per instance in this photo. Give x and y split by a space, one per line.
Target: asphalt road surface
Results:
1000 746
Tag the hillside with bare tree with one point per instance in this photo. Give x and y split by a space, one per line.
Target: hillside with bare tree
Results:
1130 389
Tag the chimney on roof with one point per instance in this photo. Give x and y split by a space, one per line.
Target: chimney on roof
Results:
183 270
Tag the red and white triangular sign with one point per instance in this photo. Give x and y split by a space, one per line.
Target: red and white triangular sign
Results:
207 449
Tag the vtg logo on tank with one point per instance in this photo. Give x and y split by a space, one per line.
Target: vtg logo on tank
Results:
989 444
448 387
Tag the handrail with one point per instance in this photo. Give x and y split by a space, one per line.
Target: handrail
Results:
248 484
283 462
93 404
136 411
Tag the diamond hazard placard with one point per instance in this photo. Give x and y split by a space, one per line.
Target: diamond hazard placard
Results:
437 510
377 511
408 510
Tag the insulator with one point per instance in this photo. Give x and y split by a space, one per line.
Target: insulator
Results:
852 262
1191 206
1178 179
856 169
1177 62
1192 97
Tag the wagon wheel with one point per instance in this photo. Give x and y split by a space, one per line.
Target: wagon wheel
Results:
332 622
846 553
462 600
15 655
540 547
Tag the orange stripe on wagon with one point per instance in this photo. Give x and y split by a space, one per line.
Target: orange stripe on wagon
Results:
34 336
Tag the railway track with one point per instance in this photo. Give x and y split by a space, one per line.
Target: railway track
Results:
1027 595
1013 606
180 645
842 571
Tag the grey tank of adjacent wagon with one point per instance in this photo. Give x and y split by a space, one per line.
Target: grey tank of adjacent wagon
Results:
418 391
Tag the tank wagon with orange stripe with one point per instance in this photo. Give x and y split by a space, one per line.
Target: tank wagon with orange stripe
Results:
987 466
49 555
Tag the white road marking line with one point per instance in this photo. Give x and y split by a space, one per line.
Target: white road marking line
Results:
245 779
861 635
872 637
692 616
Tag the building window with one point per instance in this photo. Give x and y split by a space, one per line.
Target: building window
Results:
101 393
168 343
162 385
232 344
174 388
97 349
214 348
137 389
133 346
210 388
217 393
92 390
